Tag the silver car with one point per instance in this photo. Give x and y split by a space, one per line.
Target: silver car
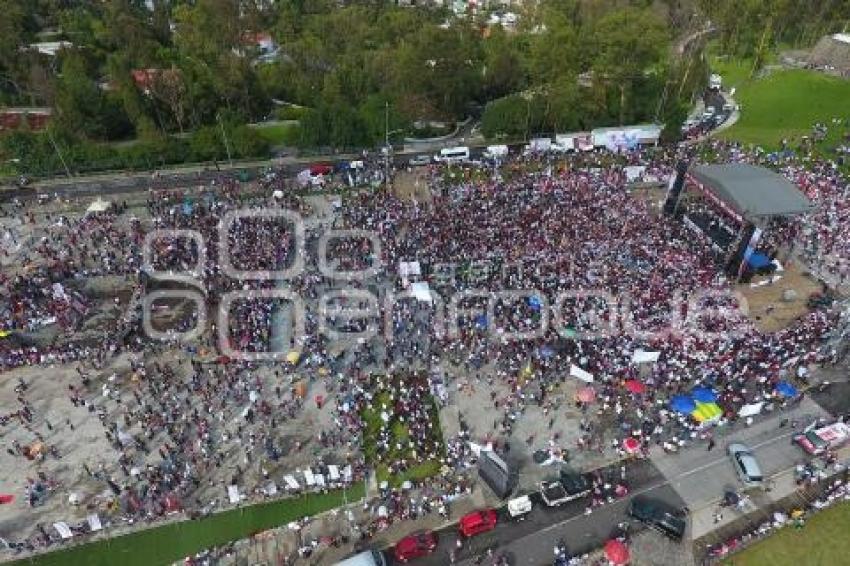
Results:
745 465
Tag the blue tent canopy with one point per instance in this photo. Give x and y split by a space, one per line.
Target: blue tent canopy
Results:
786 389
703 395
683 404
758 260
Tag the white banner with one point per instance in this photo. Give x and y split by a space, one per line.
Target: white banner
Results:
585 376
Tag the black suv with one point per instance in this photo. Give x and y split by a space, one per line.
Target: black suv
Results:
659 516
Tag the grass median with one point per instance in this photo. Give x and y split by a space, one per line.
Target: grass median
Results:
174 541
821 541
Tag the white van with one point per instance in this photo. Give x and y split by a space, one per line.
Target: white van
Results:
365 558
453 155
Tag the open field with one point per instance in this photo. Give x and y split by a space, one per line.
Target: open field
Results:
171 542
785 104
821 542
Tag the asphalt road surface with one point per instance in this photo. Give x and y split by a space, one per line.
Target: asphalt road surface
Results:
532 540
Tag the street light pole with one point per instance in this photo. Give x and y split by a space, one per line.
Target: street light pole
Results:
387 143
59 153
224 135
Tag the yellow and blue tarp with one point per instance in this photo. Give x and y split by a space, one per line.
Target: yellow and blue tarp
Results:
706 412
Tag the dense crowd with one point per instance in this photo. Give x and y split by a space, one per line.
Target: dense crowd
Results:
183 431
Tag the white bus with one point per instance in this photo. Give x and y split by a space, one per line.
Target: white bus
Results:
453 155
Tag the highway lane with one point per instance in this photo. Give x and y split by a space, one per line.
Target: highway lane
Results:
580 531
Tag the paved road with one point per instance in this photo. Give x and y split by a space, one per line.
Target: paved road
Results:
695 478
701 476
532 540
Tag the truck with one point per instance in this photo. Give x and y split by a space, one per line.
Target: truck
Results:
817 438
569 486
538 145
715 82
553 493
564 143
496 152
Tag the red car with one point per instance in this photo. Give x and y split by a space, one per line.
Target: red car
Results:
415 546
477 522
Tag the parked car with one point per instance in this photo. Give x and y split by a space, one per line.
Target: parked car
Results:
416 545
658 515
745 465
477 522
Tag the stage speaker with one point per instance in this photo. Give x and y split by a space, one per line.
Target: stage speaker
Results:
733 266
675 191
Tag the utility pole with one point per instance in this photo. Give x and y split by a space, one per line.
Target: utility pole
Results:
224 136
59 153
387 143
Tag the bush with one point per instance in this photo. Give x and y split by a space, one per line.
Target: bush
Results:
33 154
290 112
247 142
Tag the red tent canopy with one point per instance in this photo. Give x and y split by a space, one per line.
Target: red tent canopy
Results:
616 552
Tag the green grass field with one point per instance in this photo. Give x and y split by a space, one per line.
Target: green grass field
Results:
785 104
172 542
822 541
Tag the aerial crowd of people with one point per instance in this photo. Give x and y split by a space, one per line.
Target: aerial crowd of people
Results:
585 253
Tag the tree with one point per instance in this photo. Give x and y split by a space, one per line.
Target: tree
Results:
564 106
82 108
503 70
629 43
507 117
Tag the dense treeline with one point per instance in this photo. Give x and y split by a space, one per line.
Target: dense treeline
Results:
752 28
569 64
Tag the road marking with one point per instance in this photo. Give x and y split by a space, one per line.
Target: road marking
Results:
713 463
659 484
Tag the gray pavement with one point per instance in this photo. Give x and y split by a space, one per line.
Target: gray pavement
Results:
701 476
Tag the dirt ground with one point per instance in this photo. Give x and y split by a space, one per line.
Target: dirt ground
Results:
768 310
412 184
652 196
